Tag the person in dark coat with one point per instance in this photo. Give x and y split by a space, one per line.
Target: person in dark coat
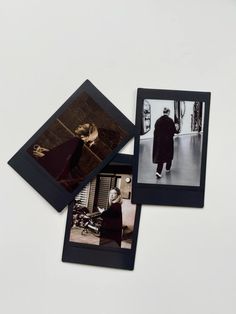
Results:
111 228
163 144
62 161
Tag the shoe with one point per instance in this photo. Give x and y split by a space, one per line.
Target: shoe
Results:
167 170
158 175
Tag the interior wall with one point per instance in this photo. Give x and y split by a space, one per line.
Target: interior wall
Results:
186 122
128 209
157 107
128 213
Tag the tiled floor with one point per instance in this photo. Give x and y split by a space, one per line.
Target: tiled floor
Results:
186 164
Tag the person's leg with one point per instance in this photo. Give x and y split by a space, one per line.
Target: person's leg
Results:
159 169
168 165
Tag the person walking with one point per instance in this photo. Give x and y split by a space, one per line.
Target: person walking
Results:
163 144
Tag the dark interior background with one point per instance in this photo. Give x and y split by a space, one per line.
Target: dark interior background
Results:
84 110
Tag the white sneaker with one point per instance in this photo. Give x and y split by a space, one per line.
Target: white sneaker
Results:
158 175
167 170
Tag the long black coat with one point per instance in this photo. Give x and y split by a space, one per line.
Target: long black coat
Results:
112 223
163 144
61 160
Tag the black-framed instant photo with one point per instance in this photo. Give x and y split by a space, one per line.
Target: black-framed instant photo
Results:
76 142
102 223
171 147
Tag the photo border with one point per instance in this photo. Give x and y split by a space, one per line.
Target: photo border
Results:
173 195
39 178
97 255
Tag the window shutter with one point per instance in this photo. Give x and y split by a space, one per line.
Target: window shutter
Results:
92 195
82 197
103 194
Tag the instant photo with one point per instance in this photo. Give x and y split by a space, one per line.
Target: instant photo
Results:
73 146
102 223
171 147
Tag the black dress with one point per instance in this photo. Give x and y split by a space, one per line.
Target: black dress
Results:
111 228
163 144
62 160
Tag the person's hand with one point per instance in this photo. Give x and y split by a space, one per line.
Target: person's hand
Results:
101 210
39 151
177 126
87 141
90 144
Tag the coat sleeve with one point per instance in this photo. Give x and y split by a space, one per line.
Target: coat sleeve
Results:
113 211
174 130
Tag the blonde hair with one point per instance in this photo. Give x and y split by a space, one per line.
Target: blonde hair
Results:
88 131
118 199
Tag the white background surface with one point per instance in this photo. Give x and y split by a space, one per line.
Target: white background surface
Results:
185 261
